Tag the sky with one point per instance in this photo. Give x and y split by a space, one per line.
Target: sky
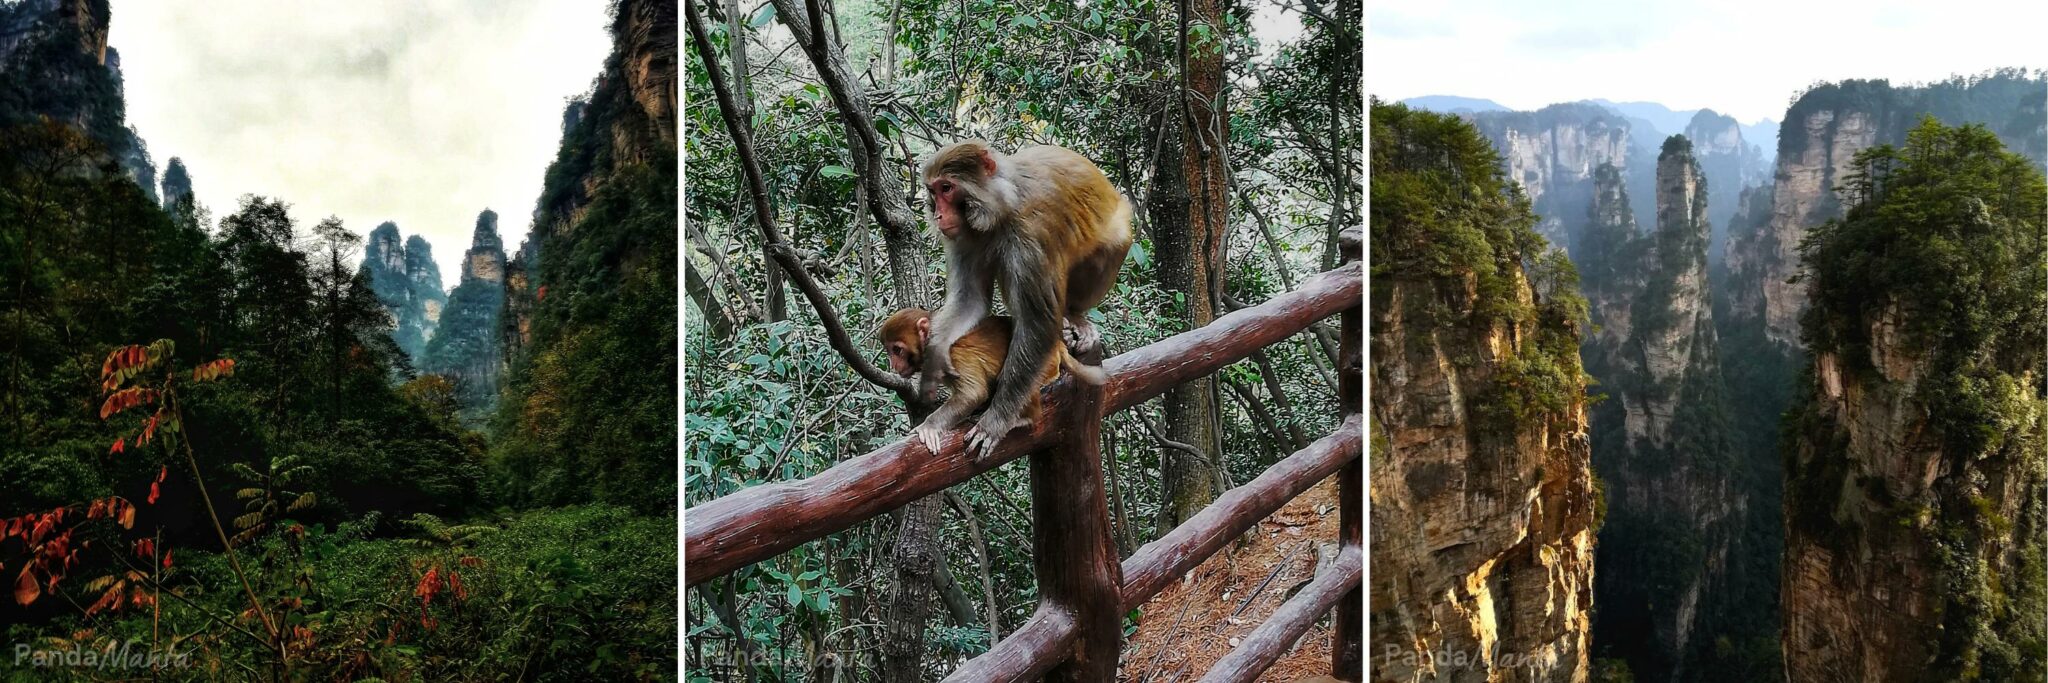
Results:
1745 58
421 113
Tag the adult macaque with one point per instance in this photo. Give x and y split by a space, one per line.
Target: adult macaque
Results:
977 360
1046 224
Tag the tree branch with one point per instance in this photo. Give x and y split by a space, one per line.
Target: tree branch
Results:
778 246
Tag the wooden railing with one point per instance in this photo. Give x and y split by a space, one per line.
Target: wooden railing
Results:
1076 632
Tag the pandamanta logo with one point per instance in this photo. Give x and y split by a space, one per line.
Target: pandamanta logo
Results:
129 654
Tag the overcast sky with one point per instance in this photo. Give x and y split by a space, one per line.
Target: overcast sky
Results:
1741 57
422 113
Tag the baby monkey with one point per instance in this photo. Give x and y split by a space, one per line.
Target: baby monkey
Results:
977 358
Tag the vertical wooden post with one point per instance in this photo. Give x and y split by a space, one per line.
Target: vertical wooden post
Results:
1347 644
1074 554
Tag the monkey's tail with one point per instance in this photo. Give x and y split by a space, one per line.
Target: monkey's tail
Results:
1091 374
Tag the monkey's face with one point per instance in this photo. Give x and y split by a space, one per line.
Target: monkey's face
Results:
949 205
905 359
904 335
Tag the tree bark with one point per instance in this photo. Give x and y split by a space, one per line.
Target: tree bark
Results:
1191 253
716 314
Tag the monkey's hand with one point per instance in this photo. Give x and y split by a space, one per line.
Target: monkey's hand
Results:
987 432
929 435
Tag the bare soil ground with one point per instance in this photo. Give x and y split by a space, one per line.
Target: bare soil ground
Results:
1200 618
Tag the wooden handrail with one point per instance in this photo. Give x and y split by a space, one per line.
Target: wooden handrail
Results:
1271 640
757 523
1149 570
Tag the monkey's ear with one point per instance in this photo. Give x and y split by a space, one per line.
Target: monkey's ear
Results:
924 328
988 162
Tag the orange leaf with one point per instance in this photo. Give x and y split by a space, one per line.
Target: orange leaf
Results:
153 492
120 445
25 588
167 558
128 516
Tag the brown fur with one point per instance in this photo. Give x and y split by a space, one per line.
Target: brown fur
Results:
1046 224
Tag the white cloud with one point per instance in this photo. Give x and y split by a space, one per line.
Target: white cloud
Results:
422 113
1742 57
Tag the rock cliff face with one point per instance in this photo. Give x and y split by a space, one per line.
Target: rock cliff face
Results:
1822 132
1552 153
55 63
1672 507
593 291
1882 559
408 283
1731 163
465 344
177 184
1482 534
1482 497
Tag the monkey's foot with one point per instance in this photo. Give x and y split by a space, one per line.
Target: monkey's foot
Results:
987 432
1081 338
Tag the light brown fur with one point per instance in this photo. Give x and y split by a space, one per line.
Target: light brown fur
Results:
977 360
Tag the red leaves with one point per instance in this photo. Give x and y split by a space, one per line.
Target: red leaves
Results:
429 586
25 588
156 487
146 549
125 399
436 582
120 445
122 363
207 372
167 558
542 294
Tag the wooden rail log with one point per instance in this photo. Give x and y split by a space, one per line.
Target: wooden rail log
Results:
751 525
1271 640
1347 632
1027 654
1158 563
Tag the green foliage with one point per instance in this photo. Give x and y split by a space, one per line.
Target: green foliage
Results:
310 433
1949 231
589 404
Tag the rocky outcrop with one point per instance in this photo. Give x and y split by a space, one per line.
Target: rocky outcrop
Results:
465 346
1822 132
55 64
1914 464
408 282
1552 153
1672 504
1483 501
1482 548
177 184
1731 163
591 297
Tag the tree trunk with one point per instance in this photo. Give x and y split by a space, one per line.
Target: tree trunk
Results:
1190 250
716 314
